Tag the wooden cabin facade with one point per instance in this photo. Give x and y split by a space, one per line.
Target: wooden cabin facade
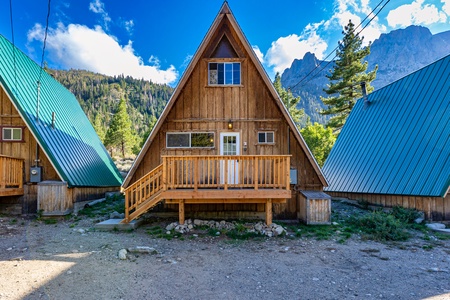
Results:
225 145
53 160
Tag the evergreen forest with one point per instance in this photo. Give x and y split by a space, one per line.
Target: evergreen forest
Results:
99 96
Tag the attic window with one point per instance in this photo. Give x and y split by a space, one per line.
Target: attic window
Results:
224 73
266 137
224 50
12 134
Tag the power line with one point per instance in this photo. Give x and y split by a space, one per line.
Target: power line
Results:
13 44
42 63
334 50
45 39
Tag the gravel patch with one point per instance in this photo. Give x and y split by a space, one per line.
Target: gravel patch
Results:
70 260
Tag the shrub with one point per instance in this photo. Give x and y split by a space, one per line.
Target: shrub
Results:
405 215
380 226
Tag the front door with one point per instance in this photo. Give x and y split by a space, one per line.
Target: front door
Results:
229 145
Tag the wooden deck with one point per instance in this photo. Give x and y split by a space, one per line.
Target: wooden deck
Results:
211 179
11 176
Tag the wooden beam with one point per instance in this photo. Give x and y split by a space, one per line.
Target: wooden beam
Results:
269 211
11 192
227 194
181 212
223 201
221 120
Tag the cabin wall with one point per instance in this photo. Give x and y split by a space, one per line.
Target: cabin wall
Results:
251 108
435 208
26 150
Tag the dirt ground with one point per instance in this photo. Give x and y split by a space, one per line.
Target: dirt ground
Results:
70 260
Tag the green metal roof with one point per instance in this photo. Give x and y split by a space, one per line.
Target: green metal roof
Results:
398 143
72 146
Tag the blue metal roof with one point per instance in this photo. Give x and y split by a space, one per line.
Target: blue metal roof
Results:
72 146
399 143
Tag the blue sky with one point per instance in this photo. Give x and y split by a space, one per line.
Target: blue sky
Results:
155 40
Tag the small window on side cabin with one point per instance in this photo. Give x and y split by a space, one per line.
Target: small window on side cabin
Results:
266 137
190 140
224 73
12 134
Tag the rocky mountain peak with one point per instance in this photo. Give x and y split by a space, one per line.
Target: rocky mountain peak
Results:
397 54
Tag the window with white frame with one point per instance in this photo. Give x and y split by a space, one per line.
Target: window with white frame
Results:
12 134
227 73
190 140
266 137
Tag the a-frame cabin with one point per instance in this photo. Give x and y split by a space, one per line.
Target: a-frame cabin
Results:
51 159
225 145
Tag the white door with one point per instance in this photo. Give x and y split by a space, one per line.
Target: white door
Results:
229 145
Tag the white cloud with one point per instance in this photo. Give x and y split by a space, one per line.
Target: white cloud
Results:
129 25
357 12
315 36
417 13
258 53
98 7
186 61
79 47
446 7
284 50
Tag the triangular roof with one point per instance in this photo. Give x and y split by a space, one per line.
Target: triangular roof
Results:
73 147
399 142
224 12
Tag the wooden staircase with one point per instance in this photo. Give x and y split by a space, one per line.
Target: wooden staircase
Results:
143 194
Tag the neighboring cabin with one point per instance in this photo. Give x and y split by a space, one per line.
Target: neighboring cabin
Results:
394 150
50 156
225 145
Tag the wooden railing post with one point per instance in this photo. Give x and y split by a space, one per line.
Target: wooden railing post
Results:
225 175
288 175
255 171
127 206
164 174
196 173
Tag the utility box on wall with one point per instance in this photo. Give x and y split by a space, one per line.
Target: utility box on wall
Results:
293 176
314 207
35 174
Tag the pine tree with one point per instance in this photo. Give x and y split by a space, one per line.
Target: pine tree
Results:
99 127
289 101
346 77
120 134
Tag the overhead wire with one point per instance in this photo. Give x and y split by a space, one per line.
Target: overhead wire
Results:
334 50
13 44
42 62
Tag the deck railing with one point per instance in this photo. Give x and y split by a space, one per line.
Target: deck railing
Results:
11 173
143 189
227 171
206 172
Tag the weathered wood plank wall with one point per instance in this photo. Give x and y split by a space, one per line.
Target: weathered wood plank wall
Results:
435 208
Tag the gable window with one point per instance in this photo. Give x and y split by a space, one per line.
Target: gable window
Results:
12 134
266 137
224 73
190 140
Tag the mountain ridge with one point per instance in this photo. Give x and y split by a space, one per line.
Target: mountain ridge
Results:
397 54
